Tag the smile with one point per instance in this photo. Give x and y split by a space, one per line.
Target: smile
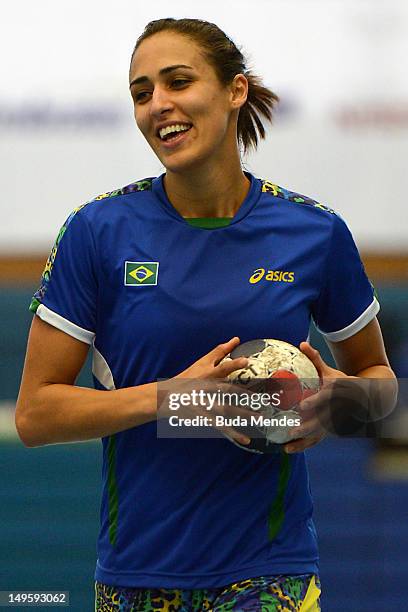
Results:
171 131
174 139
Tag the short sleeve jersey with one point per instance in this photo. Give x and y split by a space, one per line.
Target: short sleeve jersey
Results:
152 294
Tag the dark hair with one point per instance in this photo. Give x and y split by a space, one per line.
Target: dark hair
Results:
227 61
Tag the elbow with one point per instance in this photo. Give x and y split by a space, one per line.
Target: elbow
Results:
24 427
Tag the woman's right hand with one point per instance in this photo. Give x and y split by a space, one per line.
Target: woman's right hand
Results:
208 377
209 366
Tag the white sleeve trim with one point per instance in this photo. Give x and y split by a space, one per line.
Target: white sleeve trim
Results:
356 326
102 371
64 325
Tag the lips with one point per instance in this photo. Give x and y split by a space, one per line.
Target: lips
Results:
175 140
171 129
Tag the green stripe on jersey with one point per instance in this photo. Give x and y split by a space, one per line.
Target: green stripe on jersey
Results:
277 511
113 498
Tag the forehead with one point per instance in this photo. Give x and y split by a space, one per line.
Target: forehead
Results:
165 49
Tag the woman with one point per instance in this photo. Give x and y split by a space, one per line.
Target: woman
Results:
157 274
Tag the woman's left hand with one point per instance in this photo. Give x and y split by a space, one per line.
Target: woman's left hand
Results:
312 431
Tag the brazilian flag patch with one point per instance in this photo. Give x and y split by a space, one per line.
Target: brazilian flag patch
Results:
141 273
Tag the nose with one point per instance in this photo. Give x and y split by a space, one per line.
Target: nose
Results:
160 102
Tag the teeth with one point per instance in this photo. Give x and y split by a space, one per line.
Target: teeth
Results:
177 127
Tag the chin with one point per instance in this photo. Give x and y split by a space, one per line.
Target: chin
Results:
186 161
179 167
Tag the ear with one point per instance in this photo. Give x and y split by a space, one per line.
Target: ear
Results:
239 91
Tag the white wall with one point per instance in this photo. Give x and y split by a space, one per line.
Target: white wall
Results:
339 67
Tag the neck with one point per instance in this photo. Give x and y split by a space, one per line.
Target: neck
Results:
213 192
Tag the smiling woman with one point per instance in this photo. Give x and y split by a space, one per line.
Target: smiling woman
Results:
153 276
196 112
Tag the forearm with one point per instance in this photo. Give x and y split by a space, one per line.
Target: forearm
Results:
383 393
64 413
377 371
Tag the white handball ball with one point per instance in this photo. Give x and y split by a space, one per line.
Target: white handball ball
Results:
274 367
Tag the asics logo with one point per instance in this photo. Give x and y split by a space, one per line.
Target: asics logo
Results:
274 276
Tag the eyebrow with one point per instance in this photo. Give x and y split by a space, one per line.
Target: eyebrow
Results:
166 70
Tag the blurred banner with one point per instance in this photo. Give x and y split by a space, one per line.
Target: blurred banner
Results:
341 133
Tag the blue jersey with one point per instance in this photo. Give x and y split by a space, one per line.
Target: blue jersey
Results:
152 294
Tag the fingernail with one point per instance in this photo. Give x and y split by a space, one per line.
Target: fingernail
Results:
289 449
245 440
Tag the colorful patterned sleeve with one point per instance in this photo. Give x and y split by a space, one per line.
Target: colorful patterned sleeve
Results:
66 297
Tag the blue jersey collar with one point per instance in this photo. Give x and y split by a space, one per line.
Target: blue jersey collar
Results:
247 205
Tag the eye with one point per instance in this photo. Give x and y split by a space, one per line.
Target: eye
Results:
179 82
141 96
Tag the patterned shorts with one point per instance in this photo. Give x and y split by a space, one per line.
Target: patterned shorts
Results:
264 594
